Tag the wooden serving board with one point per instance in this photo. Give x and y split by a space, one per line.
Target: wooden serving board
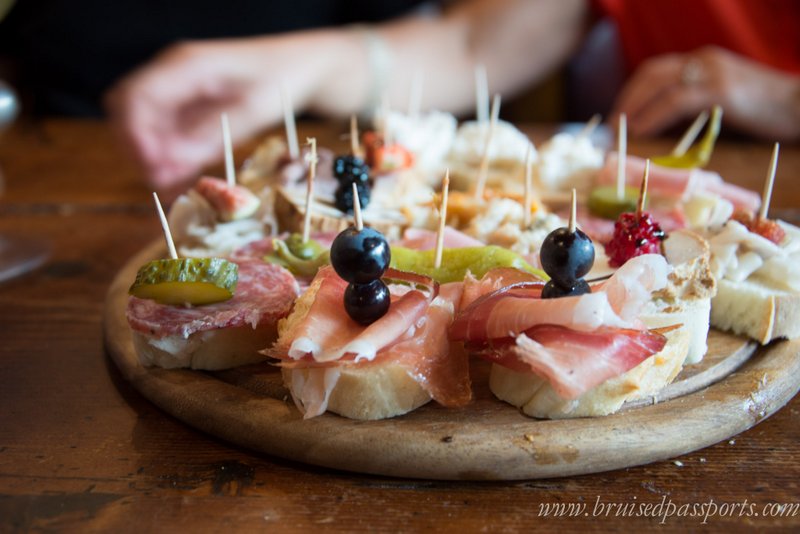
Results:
733 389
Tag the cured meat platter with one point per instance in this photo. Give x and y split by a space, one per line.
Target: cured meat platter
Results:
735 387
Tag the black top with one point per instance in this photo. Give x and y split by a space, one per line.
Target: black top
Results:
66 53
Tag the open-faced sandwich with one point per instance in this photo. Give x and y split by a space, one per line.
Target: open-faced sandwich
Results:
369 342
368 332
206 313
755 260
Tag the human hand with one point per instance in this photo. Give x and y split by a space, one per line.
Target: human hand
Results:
168 111
671 88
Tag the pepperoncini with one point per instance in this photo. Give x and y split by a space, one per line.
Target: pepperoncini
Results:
301 259
456 262
700 153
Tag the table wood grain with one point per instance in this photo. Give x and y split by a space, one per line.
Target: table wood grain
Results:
81 450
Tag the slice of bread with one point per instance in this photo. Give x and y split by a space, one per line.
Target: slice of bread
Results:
537 398
687 298
766 304
367 392
209 350
756 309
290 213
686 301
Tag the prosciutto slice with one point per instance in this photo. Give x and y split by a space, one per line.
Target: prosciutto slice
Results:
230 203
420 239
501 278
413 333
327 333
512 310
575 343
678 183
574 362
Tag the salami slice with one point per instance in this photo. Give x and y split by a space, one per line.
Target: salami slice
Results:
264 293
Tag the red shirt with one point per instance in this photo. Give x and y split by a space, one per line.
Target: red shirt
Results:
765 30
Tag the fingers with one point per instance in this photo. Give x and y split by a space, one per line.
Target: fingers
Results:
663 92
168 112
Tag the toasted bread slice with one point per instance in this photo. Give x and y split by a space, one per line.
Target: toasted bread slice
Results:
367 392
756 309
290 213
537 398
209 350
687 298
766 304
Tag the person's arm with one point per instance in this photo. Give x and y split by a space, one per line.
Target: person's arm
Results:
169 109
669 89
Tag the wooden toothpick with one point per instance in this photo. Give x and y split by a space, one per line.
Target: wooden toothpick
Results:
483 171
312 173
481 94
526 213
289 124
622 155
766 196
357 209
590 127
165 227
230 172
691 134
354 148
643 189
573 212
442 221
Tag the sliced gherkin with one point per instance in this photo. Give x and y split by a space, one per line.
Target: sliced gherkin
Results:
603 201
192 281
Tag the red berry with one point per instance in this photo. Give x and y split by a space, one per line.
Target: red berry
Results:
633 236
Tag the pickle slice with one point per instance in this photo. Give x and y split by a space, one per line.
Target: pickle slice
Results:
603 201
190 281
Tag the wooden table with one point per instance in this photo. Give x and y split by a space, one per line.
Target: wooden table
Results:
80 449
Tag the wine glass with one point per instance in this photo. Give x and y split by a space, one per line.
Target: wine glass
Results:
17 255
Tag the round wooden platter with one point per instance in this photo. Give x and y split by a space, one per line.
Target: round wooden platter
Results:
733 389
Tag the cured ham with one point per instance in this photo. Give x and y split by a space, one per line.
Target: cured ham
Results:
511 311
327 334
413 334
575 343
264 292
574 362
678 183
421 239
230 203
501 278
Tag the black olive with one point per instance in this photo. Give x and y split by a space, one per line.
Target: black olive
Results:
366 303
567 256
553 290
360 257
